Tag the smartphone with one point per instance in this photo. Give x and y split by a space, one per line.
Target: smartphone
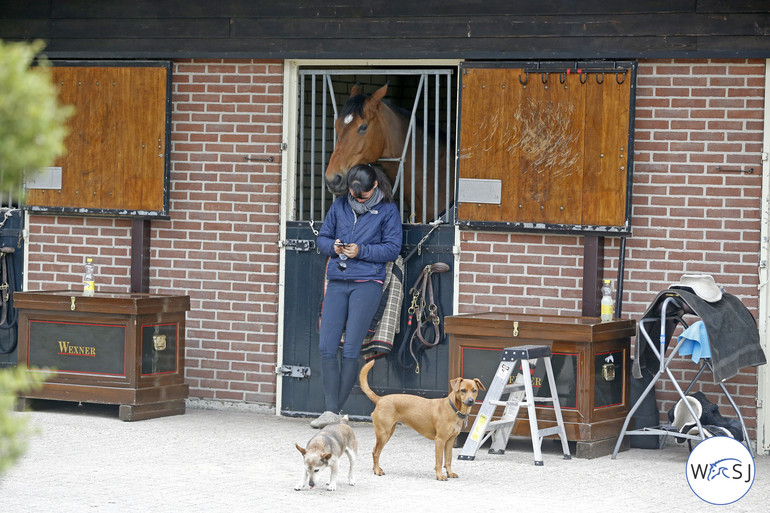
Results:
341 244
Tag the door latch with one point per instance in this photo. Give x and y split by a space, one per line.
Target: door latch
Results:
293 371
298 244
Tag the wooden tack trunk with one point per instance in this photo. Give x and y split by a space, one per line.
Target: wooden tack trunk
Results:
125 349
591 362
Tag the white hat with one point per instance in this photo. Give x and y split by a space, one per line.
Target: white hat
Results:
702 284
683 420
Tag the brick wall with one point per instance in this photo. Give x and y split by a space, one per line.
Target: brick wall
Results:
687 217
219 245
690 217
59 245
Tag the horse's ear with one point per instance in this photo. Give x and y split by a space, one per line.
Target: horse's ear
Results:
379 94
356 90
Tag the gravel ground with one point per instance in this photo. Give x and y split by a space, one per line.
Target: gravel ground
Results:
85 459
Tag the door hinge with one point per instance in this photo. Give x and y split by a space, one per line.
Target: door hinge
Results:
297 244
293 371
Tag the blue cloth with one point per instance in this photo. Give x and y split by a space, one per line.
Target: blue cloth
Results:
378 236
696 342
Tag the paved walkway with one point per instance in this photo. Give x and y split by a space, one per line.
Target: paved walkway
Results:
84 459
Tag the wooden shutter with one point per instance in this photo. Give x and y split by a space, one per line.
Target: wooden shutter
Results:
546 146
117 149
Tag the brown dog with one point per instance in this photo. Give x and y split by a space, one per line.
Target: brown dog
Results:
438 419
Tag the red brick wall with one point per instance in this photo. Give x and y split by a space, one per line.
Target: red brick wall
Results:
687 217
219 245
690 217
59 245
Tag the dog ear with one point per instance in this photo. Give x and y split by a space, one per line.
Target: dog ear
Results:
479 383
455 384
326 457
300 449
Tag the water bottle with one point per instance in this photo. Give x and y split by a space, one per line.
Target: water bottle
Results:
88 278
607 305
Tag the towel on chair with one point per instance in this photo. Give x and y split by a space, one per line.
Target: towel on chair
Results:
732 332
695 342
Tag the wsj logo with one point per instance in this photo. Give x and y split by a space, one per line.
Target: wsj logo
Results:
66 348
728 468
720 470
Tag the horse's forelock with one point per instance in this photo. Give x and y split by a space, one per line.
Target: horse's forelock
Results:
354 106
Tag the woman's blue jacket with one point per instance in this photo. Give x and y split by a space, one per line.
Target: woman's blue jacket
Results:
378 236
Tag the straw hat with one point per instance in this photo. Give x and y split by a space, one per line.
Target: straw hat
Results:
702 284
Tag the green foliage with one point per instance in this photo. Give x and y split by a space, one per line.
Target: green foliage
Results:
32 123
13 428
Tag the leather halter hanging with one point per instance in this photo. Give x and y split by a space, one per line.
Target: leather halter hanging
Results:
8 314
423 312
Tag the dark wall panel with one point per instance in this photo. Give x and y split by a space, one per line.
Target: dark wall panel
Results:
399 29
356 8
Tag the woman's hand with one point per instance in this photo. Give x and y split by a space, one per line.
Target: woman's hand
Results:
350 250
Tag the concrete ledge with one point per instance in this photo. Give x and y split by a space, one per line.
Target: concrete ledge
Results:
208 404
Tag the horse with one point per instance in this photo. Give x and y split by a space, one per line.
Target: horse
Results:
370 131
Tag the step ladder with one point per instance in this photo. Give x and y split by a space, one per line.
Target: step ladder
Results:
518 361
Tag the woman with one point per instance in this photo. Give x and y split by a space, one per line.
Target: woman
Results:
361 233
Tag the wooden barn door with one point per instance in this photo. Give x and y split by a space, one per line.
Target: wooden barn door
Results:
118 158
546 146
321 94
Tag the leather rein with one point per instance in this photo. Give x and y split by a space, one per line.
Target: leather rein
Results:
423 312
8 314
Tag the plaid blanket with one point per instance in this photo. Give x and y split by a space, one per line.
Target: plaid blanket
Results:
386 323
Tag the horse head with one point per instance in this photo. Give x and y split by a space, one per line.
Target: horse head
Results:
718 468
361 136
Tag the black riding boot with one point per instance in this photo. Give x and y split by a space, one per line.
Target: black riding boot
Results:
348 375
330 370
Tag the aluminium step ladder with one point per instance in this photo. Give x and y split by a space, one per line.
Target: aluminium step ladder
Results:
515 361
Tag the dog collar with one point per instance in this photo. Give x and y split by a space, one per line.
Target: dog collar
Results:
459 414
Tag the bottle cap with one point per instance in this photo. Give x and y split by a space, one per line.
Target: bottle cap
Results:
607 281
89 260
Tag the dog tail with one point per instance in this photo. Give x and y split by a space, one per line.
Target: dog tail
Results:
363 381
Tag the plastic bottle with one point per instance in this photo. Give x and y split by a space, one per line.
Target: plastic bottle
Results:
88 278
607 304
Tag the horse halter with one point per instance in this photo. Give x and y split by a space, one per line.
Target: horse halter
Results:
424 310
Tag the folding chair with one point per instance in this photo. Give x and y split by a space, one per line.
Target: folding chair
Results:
672 312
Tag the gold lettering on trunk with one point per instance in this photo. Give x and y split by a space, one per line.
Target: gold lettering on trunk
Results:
66 348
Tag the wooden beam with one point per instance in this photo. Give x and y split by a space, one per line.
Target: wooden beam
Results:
593 272
140 256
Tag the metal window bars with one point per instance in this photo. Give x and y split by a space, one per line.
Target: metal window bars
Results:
320 92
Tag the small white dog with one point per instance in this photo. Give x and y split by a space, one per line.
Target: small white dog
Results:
325 450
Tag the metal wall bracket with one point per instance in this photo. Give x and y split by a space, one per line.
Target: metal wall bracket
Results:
298 244
293 371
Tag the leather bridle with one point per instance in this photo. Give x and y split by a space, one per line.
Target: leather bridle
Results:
423 312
